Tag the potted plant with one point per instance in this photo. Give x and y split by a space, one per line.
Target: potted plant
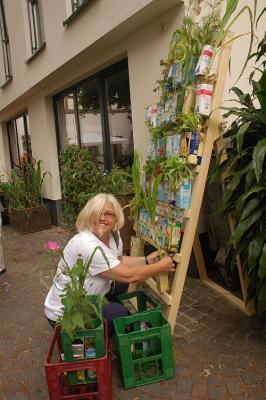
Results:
176 170
27 211
82 330
245 179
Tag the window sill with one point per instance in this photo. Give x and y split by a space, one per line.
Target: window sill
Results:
73 15
6 82
28 60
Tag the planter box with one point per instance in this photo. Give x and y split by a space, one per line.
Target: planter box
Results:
75 350
30 219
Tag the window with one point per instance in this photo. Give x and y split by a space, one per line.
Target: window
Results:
76 4
96 114
35 28
5 43
73 7
19 140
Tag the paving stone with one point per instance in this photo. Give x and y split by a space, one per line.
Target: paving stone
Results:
199 388
216 393
250 378
219 352
234 387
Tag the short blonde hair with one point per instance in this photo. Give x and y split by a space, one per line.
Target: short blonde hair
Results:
94 208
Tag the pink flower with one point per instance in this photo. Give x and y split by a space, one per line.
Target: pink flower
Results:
52 246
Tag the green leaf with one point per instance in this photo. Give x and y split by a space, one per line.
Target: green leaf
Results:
261 305
243 226
262 264
258 158
240 135
249 207
254 251
77 320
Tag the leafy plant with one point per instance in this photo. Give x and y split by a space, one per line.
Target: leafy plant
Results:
185 48
152 166
244 177
24 188
80 179
176 169
115 181
161 130
80 310
189 122
226 22
150 203
136 203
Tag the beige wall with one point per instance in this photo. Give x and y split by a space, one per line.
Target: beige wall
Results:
144 48
140 30
97 20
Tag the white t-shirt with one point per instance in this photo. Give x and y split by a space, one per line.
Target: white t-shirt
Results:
82 246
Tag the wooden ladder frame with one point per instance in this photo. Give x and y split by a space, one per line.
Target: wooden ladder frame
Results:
190 239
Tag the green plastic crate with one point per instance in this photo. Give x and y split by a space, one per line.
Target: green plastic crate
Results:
146 356
98 338
143 301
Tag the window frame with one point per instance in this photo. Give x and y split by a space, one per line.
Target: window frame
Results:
5 44
26 132
35 28
106 135
73 12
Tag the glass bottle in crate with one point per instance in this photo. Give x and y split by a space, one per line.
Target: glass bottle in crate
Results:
90 352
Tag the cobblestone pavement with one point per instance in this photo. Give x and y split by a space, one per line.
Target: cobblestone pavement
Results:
219 352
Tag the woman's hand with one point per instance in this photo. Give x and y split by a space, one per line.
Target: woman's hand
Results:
153 257
166 263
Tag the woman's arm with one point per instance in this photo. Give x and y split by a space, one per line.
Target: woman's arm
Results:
131 274
132 261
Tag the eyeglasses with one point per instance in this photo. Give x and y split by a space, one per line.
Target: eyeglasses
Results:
107 214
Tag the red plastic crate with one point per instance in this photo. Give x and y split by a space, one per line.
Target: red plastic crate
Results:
56 373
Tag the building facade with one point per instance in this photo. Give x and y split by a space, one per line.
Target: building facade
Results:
80 71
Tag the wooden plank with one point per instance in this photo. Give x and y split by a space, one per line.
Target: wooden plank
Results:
230 297
199 186
164 296
199 257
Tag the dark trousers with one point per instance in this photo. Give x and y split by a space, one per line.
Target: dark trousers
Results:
112 309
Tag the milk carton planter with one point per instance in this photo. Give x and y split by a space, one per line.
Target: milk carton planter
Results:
144 346
204 99
86 344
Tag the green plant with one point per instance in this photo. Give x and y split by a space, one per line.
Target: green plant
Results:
116 181
161 130
189 122
79 311
152 166
80 179
136 203
176 169
150 203
226 23
245 179
24 188
185 48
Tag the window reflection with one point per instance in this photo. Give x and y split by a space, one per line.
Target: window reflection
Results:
96 114
19 140
91 135
120 121
67 121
